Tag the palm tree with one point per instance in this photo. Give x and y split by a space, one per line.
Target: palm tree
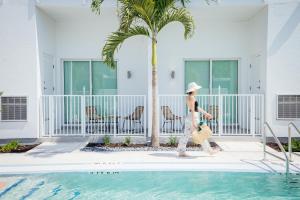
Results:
147 18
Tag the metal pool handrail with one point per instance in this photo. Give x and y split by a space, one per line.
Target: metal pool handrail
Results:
266 124
290 125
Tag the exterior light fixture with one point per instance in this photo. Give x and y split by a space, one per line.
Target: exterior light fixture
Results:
129 74
172 74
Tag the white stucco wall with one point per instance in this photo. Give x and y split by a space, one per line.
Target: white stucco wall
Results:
46 44
18 64
212 39
84 39
283 68
258 48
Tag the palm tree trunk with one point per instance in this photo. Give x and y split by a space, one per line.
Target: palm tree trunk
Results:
155 125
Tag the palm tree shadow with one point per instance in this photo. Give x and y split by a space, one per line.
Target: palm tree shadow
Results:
174 155
286 31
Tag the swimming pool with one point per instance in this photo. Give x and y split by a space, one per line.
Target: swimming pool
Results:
151 185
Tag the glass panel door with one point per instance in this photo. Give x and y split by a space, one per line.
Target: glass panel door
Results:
80 77
225 75
85 78
76 82
67 78
104 79
210 75
104 82
199 72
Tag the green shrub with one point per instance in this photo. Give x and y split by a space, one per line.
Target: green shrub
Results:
12 145
172 141
127 141
106 140
295 146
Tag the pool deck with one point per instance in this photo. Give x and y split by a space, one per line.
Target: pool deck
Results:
240 156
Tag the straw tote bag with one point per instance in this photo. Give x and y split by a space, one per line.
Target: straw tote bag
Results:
203 133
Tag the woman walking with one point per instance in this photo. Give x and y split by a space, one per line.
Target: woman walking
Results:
192 120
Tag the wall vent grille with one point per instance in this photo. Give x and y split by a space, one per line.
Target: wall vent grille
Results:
13 108
288 107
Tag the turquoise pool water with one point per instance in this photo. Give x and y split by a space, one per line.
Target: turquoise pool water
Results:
151 185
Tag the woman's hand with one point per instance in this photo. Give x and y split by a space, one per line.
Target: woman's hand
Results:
208 116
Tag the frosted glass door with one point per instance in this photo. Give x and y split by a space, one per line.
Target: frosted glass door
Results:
225 75
76 82
104 79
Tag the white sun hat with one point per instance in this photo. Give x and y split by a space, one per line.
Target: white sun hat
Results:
192 87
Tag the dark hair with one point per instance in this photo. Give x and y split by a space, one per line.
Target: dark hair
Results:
189 93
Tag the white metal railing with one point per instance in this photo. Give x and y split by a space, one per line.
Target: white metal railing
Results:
233 114
286 159
81 115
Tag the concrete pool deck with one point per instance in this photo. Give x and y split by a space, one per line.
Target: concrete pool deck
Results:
62 157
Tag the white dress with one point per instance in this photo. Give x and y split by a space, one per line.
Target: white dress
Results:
188 129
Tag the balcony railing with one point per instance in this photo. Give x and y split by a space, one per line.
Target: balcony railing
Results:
80 115
238 114
119 115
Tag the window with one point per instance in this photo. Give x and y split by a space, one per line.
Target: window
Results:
212 74
89 77
13 108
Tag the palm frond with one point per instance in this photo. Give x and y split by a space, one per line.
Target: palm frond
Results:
178 15
145 10
96 6
161 6
116 39
184 2
127 14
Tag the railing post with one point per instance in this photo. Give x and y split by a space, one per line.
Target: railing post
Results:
220 114
51 116
252 115
82 112
115 116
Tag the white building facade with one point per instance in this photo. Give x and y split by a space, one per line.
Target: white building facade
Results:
244 53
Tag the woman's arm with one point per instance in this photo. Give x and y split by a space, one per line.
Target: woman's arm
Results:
206 114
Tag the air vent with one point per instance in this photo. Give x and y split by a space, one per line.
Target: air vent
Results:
13 108
288 107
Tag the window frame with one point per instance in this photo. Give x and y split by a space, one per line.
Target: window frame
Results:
210 60
90 60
